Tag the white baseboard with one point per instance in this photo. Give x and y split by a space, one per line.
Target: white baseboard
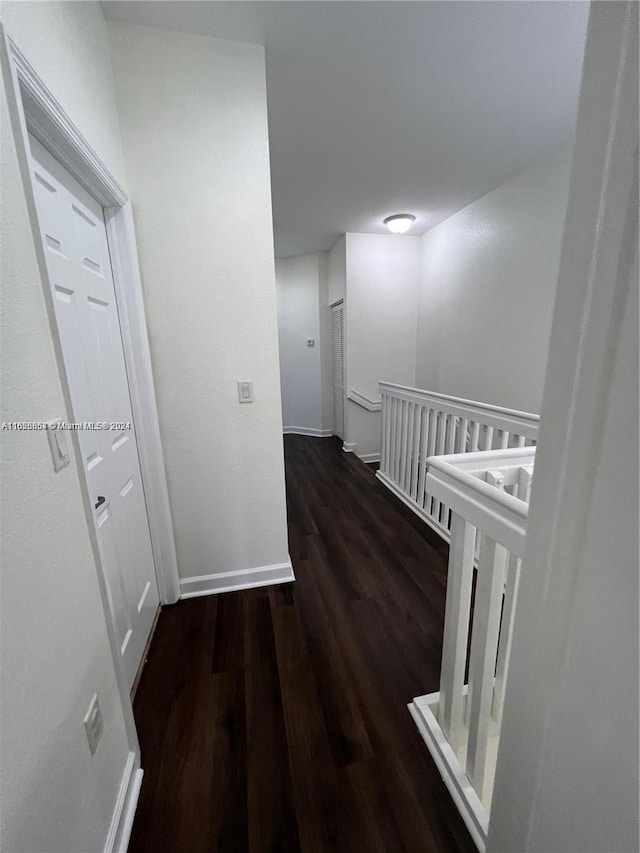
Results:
350 447
423 709
125 808
369 457
315 433
240 579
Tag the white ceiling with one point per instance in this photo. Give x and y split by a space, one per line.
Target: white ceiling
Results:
386 107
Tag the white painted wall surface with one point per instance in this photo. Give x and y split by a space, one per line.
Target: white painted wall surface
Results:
489 278
54 647
589 799
567 774
194 129
298 283
68 46
337 283
383 279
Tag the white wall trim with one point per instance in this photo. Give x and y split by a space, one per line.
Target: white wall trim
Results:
51 125
128 287
369 457
349 446
364 401
474 814
36 110
317 433
125 808
238 580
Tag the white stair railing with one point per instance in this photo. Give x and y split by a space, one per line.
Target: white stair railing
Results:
417 424
487 494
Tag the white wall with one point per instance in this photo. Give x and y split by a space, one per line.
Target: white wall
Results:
567 774
54 647
194 128
489 278
67 45
382 283
591 750
337 282
300 284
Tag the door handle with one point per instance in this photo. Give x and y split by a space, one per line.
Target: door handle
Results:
100 501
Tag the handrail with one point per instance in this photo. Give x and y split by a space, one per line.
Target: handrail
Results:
455 480
527 421
364 401
437 395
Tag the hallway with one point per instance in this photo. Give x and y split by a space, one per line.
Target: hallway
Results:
275 719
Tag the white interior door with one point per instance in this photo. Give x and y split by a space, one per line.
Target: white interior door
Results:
337 349
77 254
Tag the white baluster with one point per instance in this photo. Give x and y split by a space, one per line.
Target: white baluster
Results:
475 437
403 445
463 428
525 476
456 628
392 436
415 450
488 438
387 458
433 432
397 441
506 636
484 647
424 453
441 436
450 443
383 433
407 459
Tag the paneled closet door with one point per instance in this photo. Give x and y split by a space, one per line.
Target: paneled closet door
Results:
75 244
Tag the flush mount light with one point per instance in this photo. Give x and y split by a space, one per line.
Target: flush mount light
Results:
399 222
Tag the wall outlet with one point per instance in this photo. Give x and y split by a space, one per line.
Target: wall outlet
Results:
94 724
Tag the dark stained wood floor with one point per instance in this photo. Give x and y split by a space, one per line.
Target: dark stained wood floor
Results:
275 719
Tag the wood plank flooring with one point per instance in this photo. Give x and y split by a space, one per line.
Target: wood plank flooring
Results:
275 719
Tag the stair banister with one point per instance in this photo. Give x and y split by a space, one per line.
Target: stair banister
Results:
417 424
486 494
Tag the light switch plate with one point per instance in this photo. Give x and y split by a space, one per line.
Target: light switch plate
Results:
245 392
94 724
58 444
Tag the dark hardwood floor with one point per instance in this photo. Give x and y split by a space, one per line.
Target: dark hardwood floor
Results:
275 719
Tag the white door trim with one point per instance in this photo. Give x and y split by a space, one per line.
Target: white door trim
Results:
38 112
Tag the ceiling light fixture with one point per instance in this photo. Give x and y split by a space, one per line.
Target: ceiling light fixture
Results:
399 222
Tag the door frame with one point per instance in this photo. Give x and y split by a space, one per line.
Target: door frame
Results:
340 303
